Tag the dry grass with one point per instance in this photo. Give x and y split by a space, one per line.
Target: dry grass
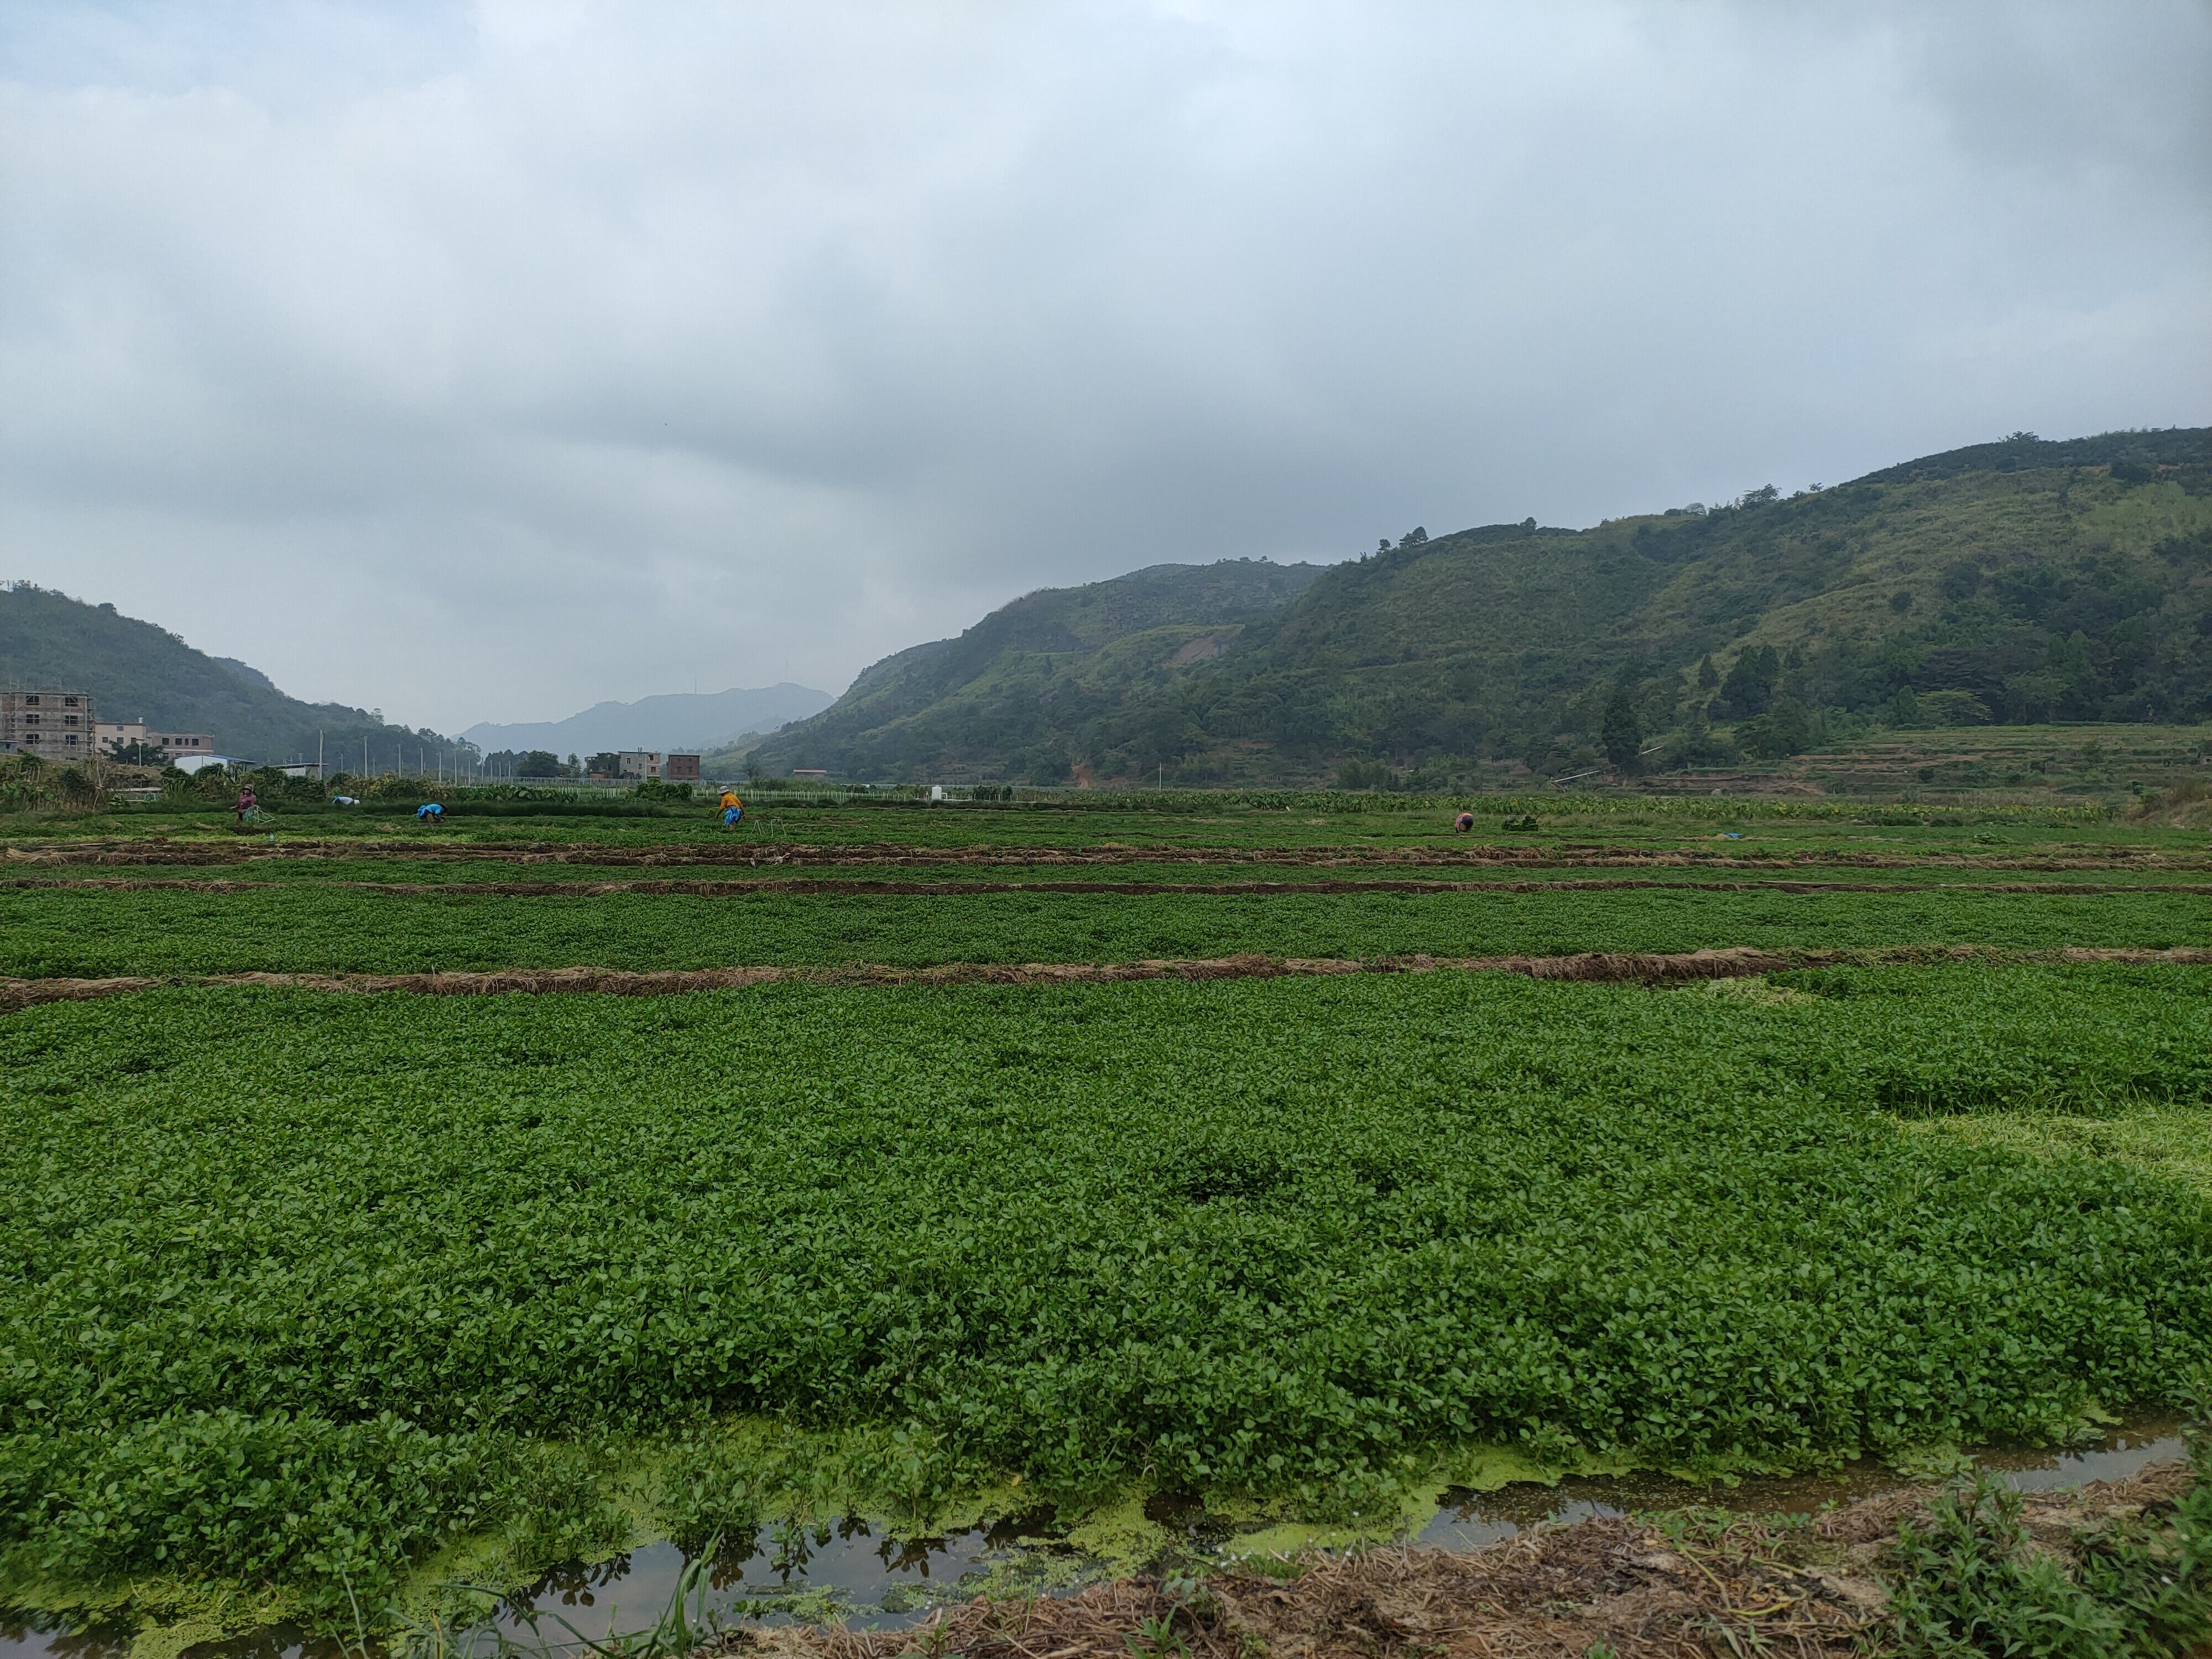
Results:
2186 806
765 856
1726 1587
893 887
1591 967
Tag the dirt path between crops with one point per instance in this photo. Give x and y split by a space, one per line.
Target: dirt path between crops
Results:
758 855
1618 1585
892 887
1595 966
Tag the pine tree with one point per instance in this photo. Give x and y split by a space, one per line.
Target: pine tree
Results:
1623 733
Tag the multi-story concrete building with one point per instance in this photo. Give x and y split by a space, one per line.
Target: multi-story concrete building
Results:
131 739
55 726
652 763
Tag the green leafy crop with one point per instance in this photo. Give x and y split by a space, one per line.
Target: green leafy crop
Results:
302 929
290 1283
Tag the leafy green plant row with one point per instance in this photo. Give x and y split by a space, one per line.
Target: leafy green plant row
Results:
290 1285
526 801
774 820
303 928
490 865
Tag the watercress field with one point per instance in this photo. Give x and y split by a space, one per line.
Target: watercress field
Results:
314 1296
320 929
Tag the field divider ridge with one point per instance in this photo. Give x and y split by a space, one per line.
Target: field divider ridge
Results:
816 886
800 854
1734 962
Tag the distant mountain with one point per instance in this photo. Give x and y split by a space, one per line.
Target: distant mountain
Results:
677 720
2020 580
135 670
1012 697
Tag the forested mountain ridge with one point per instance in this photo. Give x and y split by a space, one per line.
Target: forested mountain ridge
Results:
672 720
1009 697
135 670
2020 580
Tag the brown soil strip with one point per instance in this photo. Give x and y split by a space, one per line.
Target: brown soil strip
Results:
893 887
1595 966
781 855
1613 1584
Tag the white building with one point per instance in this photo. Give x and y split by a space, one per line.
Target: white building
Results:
117 737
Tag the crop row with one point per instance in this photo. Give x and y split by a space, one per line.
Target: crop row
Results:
1307 822
491 868
92 932
281 1274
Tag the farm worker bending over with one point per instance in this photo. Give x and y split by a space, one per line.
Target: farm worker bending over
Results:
246 803
732 809
430 812
1463 822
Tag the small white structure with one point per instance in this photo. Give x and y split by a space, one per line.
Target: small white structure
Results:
638 764
195 763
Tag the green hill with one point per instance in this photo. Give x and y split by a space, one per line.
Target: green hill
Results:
135 670
1012 697
2019 581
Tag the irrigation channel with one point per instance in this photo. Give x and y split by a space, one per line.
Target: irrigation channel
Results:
849 1571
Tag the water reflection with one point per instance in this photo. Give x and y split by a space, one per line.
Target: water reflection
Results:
1470 1520
42 1634
772 1574
768 1574
2119 1456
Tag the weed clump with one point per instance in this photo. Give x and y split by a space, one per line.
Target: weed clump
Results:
1975 1581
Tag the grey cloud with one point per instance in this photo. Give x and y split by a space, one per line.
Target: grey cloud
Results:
542 355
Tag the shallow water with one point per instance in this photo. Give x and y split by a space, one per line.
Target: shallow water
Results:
1468 1519
878 1581
870 1580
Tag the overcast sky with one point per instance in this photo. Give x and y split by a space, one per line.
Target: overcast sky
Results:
484 362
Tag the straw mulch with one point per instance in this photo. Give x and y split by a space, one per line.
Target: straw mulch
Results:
1556 1593
1720 1592
1734 961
